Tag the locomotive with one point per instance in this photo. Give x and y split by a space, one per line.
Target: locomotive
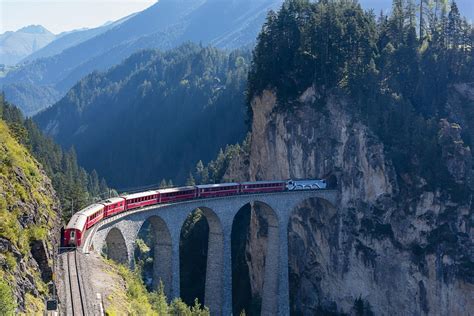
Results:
86 218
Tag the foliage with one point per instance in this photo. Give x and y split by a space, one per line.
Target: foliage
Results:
27 214
214 171
21 182
7 301
141 302
154 115
398 80
75 187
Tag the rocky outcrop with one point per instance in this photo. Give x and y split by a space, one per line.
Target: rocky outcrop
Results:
457 155
396 249
29 223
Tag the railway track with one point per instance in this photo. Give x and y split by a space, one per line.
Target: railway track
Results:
76 295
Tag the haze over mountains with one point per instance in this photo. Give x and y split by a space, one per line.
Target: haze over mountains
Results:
19 44
168 23
73 38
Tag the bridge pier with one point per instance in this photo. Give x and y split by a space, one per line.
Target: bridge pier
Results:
214 268
220 214
270 281
283 278
162 266
175 282
227 271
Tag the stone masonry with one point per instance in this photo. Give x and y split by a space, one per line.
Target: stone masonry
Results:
117 236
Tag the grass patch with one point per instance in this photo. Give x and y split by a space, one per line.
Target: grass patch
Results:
141 302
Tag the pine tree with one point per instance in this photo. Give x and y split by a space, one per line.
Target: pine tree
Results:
190 181
454 27
163 184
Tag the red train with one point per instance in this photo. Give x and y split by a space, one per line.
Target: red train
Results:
89 216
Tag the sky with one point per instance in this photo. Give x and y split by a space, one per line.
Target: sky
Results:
65 15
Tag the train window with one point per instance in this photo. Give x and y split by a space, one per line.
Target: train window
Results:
73 234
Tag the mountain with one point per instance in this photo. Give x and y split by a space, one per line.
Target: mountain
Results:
154 115
387 120
70 39
167 24
17 45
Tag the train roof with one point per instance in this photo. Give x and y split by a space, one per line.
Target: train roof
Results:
91 209
307 180
77 221
207 186
170 190
139 195
113 200
262 182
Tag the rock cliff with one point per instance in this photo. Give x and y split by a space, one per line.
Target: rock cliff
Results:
29 224
392 245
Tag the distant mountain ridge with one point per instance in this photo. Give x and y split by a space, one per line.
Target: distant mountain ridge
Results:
69 39
14 46
164 25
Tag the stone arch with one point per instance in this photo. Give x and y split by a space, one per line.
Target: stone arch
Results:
116 247
269 260
213 289
310 232
162 250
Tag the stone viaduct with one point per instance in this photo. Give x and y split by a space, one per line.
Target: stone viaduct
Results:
118 235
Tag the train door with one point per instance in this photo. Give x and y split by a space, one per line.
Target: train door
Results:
72 237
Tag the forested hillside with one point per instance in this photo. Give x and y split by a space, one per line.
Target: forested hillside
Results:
154 115
165 25
74 186
29 226
399 83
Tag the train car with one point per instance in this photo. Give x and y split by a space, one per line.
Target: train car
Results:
293 185
177 194
80 222
113 206
94 214
141 199
74 230
262 186
216 190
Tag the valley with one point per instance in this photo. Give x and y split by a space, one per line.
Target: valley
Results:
268 157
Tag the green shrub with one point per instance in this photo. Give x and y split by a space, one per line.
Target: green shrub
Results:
7 301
